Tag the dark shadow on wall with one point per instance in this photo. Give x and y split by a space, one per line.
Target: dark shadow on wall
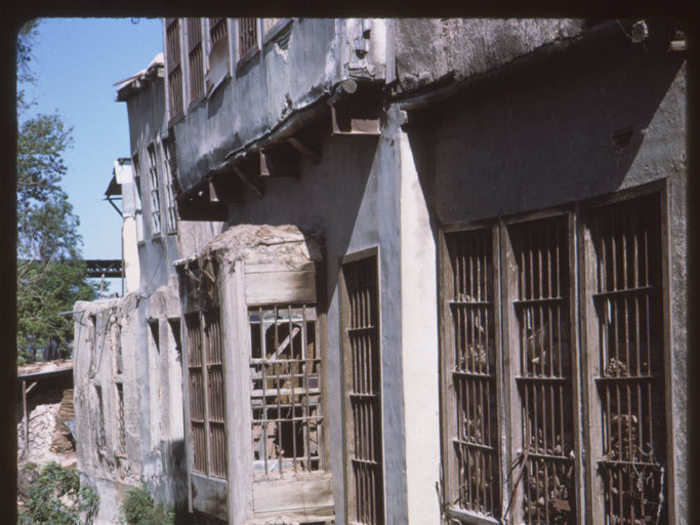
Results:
564 127
324 201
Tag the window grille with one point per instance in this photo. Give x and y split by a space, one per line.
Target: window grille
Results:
196 58
121 424
217 30
285 370
362 333
118 347
169 171
139 201
206 392
542 310
155 192
170 167
174 68
627 298
472 363
247 36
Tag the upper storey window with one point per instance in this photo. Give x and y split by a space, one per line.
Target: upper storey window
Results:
196 58
174 68
247 37
218 53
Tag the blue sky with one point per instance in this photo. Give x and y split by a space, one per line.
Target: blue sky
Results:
76 61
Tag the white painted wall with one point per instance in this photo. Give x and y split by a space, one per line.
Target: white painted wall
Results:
419 341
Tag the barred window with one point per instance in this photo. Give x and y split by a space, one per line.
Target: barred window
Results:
139 201
285 370
518 279
169 169
196 58
217 30
628 372
206 392
360 323
247 37
155 189
541 366
174 69
474 453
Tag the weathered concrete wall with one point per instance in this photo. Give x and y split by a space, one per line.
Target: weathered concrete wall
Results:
546 136
426 50
292 71
152 399
549 135
351 198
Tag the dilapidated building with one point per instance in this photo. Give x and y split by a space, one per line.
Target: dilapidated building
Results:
418 271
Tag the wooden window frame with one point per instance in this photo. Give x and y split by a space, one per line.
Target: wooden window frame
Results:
583 327
512 349
195 61
169 171
154 182
595 485
314 463
219 52
448 401
203 313
375 509
245 54
174 73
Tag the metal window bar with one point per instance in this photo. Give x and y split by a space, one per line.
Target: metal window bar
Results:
247 35
285 371
472 366
155 192
628 251
215 392
174 68
196 392
545 382
121 423
217 30
169 169
196 57
363 332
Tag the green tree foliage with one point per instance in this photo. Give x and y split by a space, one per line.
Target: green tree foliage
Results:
138 508
50 273
56 498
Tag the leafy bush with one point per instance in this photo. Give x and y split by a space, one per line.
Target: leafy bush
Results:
138 508
55 497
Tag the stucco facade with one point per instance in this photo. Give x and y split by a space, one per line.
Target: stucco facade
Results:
383 153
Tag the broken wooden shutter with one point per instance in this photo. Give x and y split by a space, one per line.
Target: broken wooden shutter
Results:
363 386
541 356
471 366
628 346
196 58
174 70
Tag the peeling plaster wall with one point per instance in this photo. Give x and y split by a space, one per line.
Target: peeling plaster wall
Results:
152 400
543 136
427 50
351 200
291 71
